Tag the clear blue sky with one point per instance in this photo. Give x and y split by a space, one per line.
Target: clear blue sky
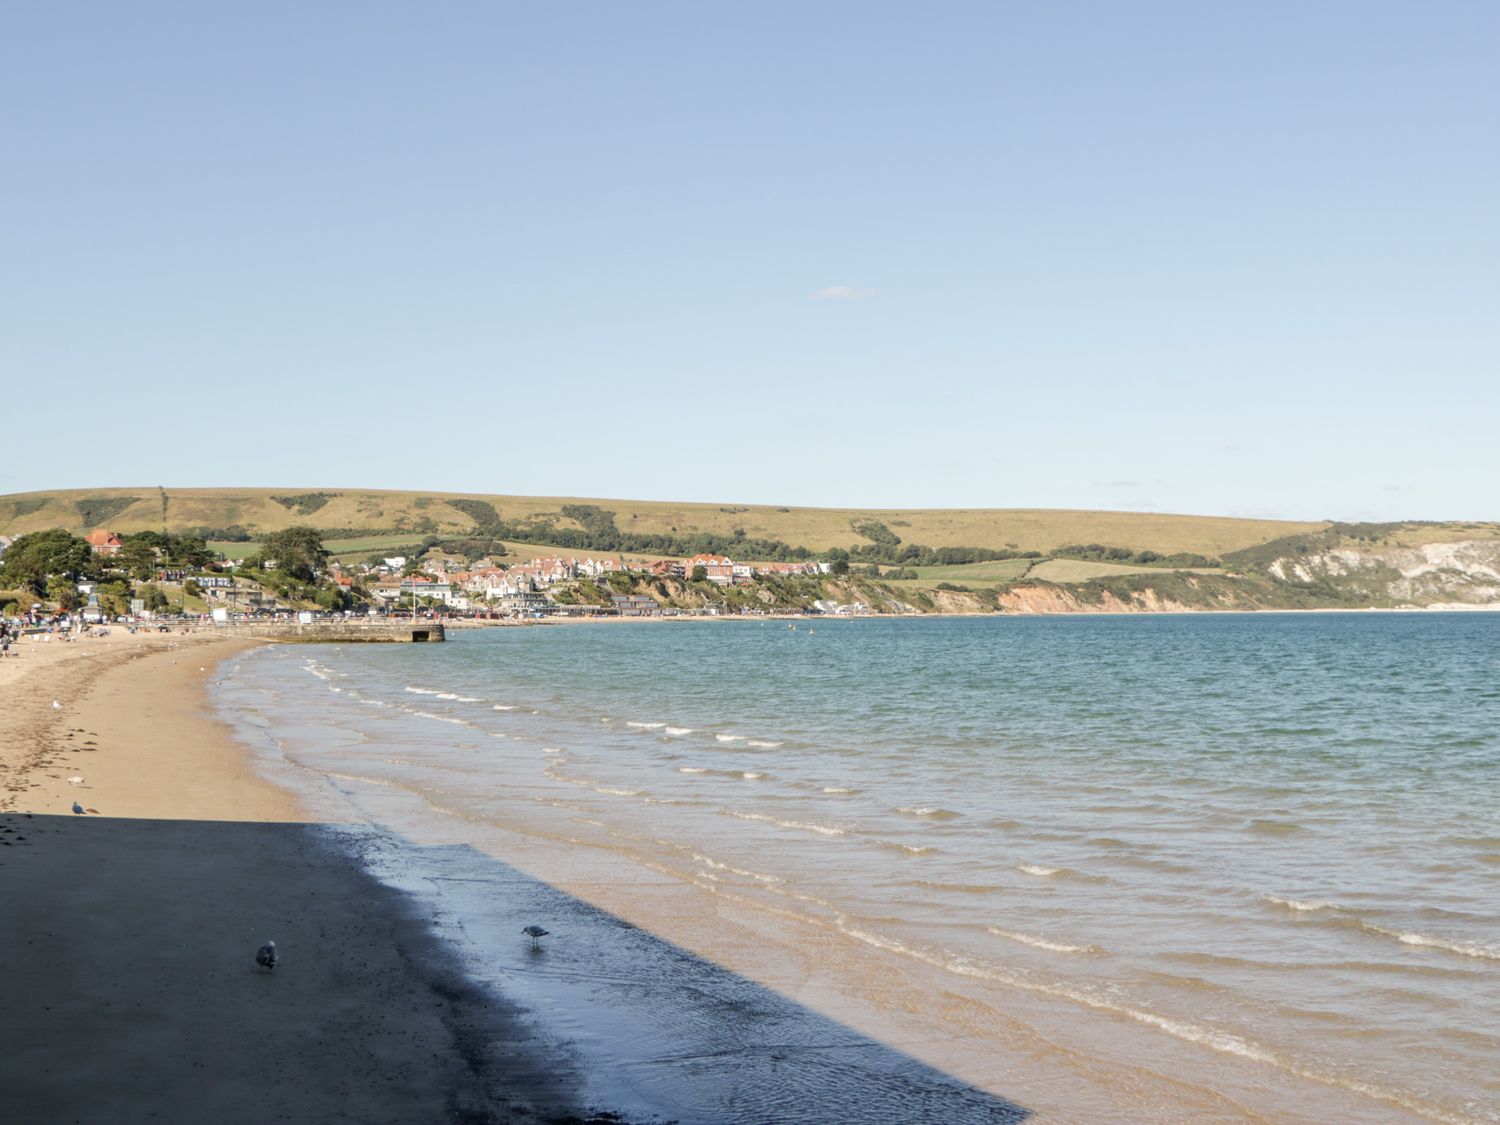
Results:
1196 257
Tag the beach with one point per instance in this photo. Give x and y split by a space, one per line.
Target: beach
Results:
998 904
129 935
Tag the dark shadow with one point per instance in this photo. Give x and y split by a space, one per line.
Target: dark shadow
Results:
131 993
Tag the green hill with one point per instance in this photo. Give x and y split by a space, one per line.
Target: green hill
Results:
374 515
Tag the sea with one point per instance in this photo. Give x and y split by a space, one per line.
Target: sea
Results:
1199 867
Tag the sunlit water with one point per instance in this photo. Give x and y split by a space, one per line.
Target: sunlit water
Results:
1238 851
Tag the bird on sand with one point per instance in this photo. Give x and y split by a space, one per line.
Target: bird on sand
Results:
535 933
75 781
56 706
266 955
77 809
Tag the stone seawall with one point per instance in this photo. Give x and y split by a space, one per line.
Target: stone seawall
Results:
337 632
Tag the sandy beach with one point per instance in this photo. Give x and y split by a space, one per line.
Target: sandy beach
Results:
131 990
130 932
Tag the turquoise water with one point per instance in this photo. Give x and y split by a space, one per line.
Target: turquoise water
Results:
1259 855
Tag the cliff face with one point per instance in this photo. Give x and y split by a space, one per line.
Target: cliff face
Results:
1338 575
1465 572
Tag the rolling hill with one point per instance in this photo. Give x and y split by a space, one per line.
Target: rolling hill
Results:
356 512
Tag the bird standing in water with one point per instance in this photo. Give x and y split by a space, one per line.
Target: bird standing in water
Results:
535 933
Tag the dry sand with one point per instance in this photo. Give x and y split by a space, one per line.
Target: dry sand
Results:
128 936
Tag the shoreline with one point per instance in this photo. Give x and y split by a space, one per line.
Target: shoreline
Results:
131 988
821 618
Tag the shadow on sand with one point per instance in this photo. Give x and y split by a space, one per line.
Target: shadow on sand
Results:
131 993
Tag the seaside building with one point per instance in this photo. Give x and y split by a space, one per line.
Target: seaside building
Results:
636 605
718 569
104 542
415 585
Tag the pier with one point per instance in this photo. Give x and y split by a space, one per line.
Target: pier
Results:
379 631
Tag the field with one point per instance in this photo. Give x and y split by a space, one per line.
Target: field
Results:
972 574
406 516
1081 570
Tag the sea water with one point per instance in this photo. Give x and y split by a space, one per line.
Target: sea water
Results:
1139 867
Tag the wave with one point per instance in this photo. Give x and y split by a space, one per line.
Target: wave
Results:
503 707
678 731
909 849
821 829
717 866
1448 945
613 792
645 726
1481 950
927 812
1041 943
1221 1041
729 737
437 718
763 744
553 750
751 775
691 769
1038 870
422 691
839 789
1305 906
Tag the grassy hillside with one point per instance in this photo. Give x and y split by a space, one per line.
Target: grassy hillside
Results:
398 516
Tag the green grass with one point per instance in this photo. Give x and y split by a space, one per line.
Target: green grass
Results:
1081 570
1005 570
345 550
234 552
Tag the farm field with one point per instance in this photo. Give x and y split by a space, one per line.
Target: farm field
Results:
1081 570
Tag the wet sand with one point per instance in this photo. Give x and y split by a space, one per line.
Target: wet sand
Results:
128 937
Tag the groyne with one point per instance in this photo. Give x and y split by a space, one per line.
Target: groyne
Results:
336 632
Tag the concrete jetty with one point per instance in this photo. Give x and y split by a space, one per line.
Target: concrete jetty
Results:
354 630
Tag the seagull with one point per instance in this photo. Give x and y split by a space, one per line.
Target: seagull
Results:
75 781
77 809
266 955
534 933
56 706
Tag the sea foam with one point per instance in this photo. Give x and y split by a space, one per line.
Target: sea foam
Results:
1040 943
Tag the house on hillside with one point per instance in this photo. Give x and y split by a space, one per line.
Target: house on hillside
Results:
104 542
785 569
717 568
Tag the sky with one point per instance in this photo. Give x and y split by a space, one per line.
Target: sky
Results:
1227 259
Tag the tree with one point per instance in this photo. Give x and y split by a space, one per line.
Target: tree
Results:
333 598
63 592
296 551
137 558
33 558
838 561
700 573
